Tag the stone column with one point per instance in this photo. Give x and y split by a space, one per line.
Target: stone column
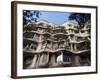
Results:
34 61
40 38
71 46
77 60
44 58
75 47
52 59
39 47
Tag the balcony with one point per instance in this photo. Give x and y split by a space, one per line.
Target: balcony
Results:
62 45
59 31
30 47
41 30
83 46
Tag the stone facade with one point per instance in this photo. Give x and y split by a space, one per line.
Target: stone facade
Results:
46 45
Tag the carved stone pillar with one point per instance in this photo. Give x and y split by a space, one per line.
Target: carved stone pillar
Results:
34 61
39 47
52 59
41 38
76 60
71 46
43 60
75 47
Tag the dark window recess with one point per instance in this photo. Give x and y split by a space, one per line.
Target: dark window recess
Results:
40 30
66 58
33 46
82 31
61 45
69 25
85 60
36 37
49 45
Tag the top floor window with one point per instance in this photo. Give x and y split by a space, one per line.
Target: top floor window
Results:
40 30
69 25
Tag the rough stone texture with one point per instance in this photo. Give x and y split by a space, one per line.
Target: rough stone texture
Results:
56 45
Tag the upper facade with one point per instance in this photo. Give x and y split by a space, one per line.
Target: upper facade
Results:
44 36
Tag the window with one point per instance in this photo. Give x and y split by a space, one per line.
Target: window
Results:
49 45
60 58
66 58
40 30
33 46
62 45
82 31
36 37
69 25
26 46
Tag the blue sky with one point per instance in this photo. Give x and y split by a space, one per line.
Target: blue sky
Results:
51 16
54 17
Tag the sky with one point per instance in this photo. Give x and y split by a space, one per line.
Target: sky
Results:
55 17
51 16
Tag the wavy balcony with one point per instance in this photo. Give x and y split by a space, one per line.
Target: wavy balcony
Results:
48 45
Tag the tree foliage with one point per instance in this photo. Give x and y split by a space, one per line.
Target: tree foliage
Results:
30 16
81 18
